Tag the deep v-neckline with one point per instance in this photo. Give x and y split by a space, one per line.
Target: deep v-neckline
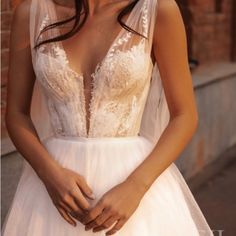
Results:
109 50
98 67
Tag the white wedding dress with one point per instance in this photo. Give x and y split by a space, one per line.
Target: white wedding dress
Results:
128 113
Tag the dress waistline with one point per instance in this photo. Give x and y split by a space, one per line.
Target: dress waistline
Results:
98 139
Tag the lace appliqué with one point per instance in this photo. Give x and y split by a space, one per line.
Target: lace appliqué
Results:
145 19
54 47
120 99
118 90
60 54
42 26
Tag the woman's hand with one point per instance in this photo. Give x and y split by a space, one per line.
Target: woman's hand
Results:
118 204
68 190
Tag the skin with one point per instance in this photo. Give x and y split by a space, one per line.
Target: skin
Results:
67 189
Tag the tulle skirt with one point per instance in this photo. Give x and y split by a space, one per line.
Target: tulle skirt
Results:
167 208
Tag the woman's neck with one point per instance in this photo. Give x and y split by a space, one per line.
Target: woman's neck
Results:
94 5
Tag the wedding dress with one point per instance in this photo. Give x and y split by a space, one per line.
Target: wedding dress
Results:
128 113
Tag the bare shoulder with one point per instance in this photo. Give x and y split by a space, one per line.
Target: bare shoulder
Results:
169 20
20 24
21 13
167 9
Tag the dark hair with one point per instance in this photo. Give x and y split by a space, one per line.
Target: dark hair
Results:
77 26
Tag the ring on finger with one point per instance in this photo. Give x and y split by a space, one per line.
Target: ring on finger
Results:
72 213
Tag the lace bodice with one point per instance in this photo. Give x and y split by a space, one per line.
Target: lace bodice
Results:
120 83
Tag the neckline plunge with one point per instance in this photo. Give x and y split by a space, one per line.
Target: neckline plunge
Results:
98 67
121 32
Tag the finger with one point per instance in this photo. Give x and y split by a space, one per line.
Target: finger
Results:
86 190
116 227
107 224
66 216
73 208
70 204
94 212
99 220
69 210
65 206
81 201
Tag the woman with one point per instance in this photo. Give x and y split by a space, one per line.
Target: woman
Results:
99 140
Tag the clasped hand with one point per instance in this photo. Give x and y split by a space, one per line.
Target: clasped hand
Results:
115 206
68 191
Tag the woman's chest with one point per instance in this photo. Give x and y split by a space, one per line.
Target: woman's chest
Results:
119 73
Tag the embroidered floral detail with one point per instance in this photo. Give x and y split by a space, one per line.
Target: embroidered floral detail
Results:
43 24
118 91
60 54
145 19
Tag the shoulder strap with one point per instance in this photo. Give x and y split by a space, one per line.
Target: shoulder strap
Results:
141 20
41 14
39 110
150 20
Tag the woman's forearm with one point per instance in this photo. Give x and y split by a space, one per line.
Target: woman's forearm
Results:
172 142
26 140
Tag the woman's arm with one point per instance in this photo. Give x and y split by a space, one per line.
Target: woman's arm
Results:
63 185
170 50
20 84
